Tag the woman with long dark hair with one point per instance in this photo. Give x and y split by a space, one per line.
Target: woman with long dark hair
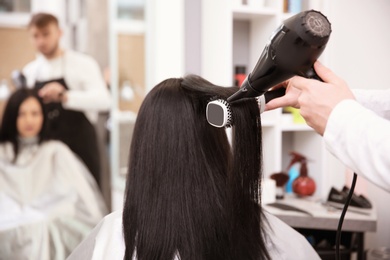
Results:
49 200
189 194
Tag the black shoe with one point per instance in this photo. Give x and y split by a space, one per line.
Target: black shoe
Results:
338 199
358 201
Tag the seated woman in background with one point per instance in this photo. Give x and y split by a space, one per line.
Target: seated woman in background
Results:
48 199
189 195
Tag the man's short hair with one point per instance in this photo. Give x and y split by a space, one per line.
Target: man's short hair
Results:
41 20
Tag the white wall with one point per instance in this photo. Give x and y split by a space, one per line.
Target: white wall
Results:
164 40
360 42
192 36
216 41
359 51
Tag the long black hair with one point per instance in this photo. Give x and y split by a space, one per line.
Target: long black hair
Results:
8 127
188 193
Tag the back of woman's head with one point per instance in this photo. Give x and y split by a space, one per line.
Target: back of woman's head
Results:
8 128
188 193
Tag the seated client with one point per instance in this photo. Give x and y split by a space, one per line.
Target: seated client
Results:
189 194
49 201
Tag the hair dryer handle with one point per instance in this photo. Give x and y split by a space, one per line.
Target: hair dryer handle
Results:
311 74
269 95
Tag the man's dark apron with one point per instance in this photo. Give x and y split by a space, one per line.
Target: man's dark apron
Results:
74 129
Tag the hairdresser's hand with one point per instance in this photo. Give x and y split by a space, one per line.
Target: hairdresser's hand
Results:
289 99
52 92
317 99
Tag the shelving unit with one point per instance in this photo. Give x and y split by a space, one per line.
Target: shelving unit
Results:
252 27
245 12
249 29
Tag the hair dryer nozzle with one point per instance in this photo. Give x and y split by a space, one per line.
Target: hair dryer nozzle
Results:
245 91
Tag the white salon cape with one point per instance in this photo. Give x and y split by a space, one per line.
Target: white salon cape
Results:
106 241
87 91
358 133
49 202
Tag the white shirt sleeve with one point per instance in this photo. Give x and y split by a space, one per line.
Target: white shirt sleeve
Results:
375 100
87 89
360 138
89 92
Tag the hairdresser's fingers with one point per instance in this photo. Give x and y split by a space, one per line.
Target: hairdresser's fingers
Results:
301 83
283 84
326 74
289 99
276 103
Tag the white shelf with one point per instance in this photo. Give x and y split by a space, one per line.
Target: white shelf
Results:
268 123
245 12
14 20
295 127
129 26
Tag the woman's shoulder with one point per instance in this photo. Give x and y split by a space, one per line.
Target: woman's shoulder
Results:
6 151
284 242
56 148
104 242
111 227
113 217
55 144
5 145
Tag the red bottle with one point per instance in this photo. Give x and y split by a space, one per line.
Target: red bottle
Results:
304 185
239 75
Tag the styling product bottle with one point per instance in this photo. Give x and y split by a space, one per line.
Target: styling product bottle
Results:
281 178
239 75
304 185
293 173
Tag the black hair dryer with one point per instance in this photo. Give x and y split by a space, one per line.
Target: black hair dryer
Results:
292 50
